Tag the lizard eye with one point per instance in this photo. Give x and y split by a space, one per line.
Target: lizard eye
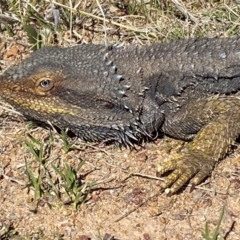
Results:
45 84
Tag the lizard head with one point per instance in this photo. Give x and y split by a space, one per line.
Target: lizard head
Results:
32 85
65 87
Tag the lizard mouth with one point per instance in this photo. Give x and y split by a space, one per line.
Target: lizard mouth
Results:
25 100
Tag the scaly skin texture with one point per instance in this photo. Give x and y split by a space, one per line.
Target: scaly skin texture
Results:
186 89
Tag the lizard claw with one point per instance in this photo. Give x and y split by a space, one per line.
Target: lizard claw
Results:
184 167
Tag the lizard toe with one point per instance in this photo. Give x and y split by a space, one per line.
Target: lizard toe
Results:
205 171
184 167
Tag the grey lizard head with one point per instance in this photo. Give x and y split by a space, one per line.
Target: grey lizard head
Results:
72 88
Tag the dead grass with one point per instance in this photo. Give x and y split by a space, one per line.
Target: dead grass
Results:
45 192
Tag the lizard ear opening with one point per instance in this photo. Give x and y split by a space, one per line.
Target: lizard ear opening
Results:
44 84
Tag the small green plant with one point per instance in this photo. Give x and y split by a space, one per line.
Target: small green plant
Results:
77 193
216 235
34 37
41 180
66 144
7 231
35 182
36 148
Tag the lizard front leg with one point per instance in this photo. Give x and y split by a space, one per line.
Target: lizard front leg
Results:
218 118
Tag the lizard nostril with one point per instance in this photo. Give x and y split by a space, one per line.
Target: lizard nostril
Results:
45 84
